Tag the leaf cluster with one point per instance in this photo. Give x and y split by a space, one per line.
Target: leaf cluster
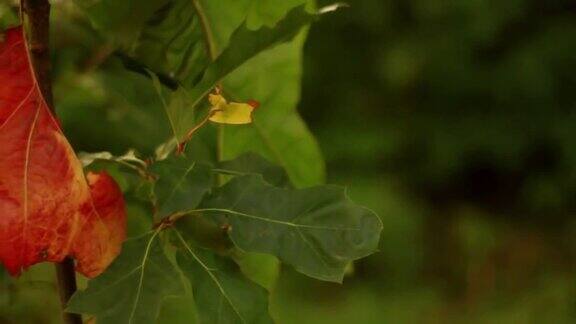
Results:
201 227
213 206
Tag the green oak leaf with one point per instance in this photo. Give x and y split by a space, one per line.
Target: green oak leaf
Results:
132 289
181 184
252 163
221 292
317 230
207 234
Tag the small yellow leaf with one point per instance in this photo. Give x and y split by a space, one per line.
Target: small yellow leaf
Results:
233 113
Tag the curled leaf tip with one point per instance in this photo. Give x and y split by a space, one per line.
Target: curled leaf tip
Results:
333 7
255 104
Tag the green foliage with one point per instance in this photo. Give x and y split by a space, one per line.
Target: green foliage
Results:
317 230
278 132
244 44
263 269
111 17
172 41
251 163
133 287
220 200
181 184
222 293
276 127
271 76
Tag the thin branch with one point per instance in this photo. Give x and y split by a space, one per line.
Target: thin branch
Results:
37 14
66 278
211 50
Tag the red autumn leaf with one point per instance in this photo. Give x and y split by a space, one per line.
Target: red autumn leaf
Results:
48 209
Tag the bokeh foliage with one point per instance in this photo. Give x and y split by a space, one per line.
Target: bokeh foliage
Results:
456 119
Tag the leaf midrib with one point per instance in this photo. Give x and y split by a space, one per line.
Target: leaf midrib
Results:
180 182
297 225
142 266
209 271
25 181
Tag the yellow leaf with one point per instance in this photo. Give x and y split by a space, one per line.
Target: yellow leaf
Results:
233 113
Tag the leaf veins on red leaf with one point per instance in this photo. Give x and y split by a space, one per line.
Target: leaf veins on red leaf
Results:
48 208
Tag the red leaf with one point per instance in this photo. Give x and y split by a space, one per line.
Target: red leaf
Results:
48 210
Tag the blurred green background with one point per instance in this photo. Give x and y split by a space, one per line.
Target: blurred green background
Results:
454 120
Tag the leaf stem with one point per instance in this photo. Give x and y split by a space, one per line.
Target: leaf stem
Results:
36 13
197 127
207 32
211 50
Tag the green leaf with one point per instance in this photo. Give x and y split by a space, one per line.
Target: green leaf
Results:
221 292
245 44
168 36
172 42
121 21
179 310
268 12
207 234
181 184
113 99
278 132
318 230
273 78
180 111
182 38
133 287
251 163
264 269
